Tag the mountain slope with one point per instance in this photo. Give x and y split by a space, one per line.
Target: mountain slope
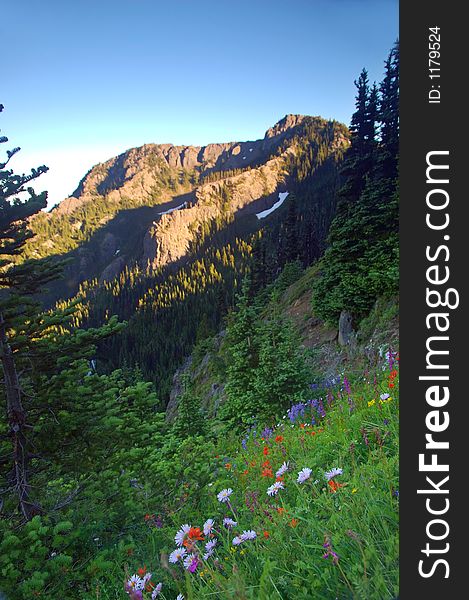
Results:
162 235
123 209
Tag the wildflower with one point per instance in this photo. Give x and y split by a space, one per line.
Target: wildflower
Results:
385 396
141 572
266 534
148 517
265 451
135 584
228 466
248 535
229 523
177 555
194 534
304 474
347 386
296 411
330 551
333 473
371 403
191 562
224 495
210 547
146 579
283 469
267 473
180 597
293 523
274 489
236 541
156 591
211 544
181 534
279 438
334 486
208 526
354 491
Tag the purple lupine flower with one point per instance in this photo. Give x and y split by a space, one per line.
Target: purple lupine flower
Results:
347 386
390 358
320 409
295 411
266 433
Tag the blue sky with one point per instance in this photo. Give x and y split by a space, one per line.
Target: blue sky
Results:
87 79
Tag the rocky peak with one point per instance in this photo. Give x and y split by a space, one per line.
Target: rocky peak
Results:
286 124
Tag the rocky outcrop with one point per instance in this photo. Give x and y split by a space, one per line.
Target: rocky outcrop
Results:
345 328
170 237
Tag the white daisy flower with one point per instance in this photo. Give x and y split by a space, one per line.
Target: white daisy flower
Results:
304 474
237 541
283 469
248 535
224 495
146 578
210 547
208 526
156 591
273 490
135 583
229 523
177 555
181 534
333 473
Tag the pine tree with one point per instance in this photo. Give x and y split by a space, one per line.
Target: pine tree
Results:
34 345
389 115
18 283
290 233
360 263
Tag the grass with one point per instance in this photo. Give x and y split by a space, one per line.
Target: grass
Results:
318 539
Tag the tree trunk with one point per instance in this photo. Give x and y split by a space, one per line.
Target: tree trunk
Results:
16 417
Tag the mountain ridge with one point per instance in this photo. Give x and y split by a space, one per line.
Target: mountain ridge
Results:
221 156
150 205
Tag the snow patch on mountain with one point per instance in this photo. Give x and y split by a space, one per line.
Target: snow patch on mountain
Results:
278 204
